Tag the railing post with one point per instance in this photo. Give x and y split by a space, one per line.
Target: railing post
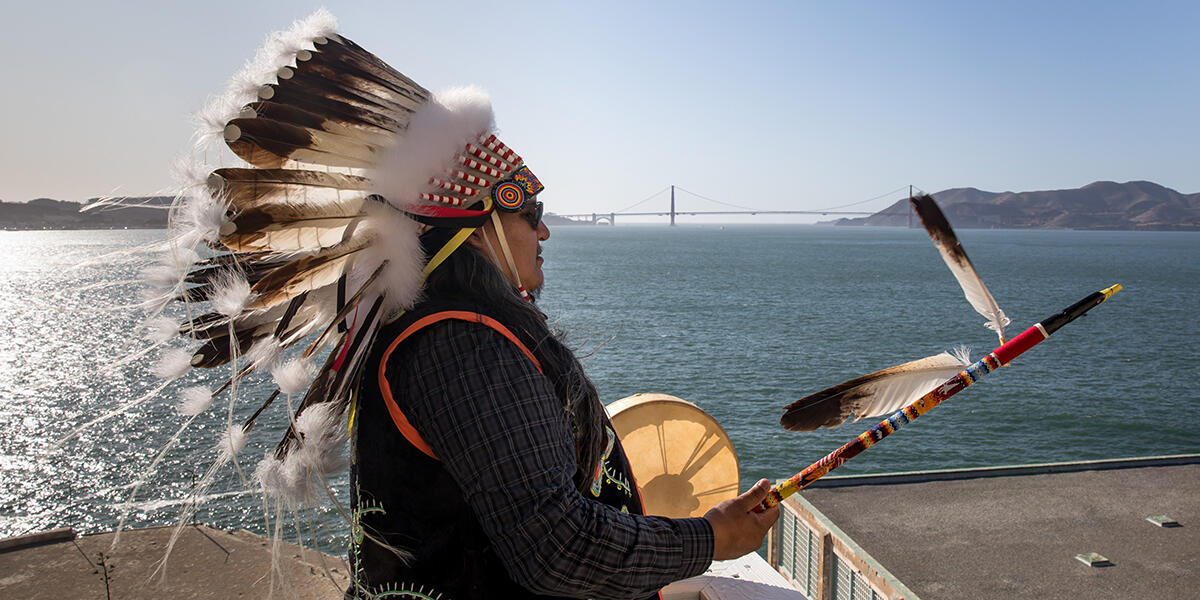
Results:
826 581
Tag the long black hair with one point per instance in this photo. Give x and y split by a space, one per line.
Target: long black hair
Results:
469 275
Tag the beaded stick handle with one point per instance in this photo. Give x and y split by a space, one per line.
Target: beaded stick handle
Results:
1000 356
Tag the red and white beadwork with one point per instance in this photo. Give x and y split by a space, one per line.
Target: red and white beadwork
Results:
439 198
495 145
453 187
483 155
469 178
478 166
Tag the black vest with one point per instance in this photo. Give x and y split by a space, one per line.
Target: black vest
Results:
405 498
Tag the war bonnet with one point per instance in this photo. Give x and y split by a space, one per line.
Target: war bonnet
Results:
316 238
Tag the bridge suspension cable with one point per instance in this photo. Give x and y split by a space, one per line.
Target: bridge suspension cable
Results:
899 189
644 200
715 201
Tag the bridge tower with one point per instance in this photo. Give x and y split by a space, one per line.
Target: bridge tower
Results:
910 206
672 206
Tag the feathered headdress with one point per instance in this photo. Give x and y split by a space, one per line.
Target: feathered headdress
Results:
316 238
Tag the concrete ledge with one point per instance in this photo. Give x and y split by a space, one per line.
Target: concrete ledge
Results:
37 539
206 564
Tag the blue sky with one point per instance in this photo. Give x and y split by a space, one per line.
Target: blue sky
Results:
773 105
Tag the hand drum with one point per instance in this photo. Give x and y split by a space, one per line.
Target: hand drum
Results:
682 459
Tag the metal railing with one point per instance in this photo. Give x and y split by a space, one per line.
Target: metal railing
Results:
823 562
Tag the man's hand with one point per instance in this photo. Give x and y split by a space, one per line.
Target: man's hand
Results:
736 530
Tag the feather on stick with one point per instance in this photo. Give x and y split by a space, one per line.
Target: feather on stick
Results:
879 393
956 258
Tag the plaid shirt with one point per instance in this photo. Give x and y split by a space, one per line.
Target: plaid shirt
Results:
502 434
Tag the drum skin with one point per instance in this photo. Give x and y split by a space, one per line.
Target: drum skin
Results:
682 459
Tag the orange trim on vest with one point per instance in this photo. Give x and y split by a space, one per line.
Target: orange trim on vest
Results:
406 429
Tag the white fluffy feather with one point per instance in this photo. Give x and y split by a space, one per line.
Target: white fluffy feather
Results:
162 277
188 173
181 258
194 400
201 217
264 353
395 240
293 376
172 364
435 133
153 300
271 477
160 329
230 293
211 119
232 441
171 268
322 436
317 455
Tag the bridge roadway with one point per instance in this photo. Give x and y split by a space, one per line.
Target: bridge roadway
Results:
610 217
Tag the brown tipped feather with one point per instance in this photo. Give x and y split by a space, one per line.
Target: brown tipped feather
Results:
298 117
216 351
255 267
304 274
955 257
352 88
275 216
343 56
880 393
270 144
287 236
247 189
348 110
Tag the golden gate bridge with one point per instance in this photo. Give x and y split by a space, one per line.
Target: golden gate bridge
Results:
610 218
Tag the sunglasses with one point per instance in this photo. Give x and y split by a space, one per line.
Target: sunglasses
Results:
532 212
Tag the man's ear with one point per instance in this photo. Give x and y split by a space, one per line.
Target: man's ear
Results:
476 239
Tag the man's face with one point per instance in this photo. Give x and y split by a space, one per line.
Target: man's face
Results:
524 241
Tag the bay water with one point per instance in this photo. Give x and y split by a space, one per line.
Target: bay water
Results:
738 319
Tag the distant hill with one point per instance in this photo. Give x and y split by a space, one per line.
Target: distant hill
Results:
45 213
1100 205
